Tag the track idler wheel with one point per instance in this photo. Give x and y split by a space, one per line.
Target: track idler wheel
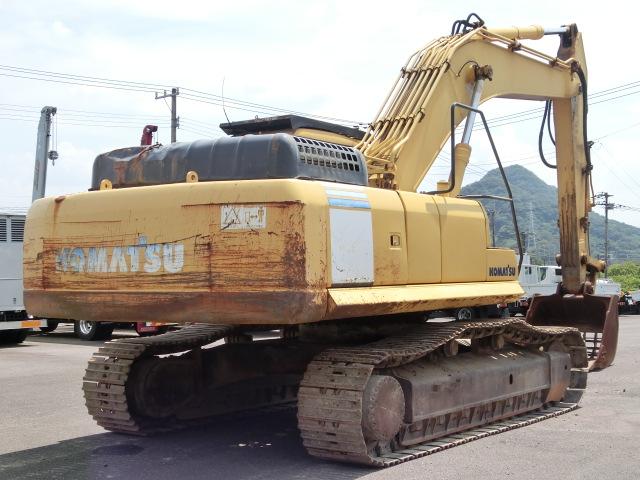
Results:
160 386
382 411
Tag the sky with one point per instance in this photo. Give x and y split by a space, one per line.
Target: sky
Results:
334 58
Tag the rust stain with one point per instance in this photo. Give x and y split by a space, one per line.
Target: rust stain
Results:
238 201
127 172
223 306
294 259
241 276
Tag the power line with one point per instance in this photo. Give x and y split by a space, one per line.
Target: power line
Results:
69 82
196 95
145 86
626 207
213 99
201 130
199 133
614 132
629 177
78 124
35 111
259 108
206 125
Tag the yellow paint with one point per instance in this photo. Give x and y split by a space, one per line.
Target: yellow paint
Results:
278 271
105 184
324 136
531 32
347 302
462 152
406 136
428 251
500 258
463 240
414 123
423 238
390 263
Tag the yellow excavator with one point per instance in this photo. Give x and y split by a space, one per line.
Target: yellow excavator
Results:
314 233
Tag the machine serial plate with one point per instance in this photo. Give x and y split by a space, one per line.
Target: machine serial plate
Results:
243 217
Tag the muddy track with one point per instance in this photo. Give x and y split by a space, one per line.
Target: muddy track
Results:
331 395
108 371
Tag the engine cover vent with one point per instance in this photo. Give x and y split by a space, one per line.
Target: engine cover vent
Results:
248 157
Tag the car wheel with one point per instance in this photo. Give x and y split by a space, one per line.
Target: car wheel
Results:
87 330
464 313
51 326
11 337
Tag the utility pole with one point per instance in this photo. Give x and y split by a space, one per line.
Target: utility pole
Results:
531 238
43 155
607 206
175 120
492 220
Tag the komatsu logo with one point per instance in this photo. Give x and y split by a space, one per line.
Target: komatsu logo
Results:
140 257
507 271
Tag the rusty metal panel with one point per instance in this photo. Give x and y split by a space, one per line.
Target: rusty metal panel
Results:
436 388
559 375
250 252
188 252
593 315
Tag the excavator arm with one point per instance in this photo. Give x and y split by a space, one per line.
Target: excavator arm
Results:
413 124
471 67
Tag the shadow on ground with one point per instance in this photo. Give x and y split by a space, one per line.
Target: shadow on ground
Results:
256 446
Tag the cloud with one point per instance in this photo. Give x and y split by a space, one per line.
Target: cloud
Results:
331 58
60 29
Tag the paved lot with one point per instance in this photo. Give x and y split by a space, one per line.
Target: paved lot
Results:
45 432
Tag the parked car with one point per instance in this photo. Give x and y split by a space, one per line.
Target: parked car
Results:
627 304
87 330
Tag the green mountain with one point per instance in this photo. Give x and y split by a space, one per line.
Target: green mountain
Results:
536 204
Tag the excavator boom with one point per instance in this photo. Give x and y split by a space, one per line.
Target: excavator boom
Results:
475 66
413 125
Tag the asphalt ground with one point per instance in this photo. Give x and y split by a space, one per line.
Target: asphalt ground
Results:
45 432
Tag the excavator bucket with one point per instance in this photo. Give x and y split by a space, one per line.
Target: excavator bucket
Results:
594 315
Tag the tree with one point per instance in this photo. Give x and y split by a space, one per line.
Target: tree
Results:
627 274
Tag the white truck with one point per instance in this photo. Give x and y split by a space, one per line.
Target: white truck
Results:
14 321
544 280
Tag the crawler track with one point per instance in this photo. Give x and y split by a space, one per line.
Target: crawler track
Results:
108 370
330 395
444 443
330 399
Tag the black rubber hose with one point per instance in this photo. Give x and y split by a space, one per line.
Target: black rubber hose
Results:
553 140
465 26
545 117
585 109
